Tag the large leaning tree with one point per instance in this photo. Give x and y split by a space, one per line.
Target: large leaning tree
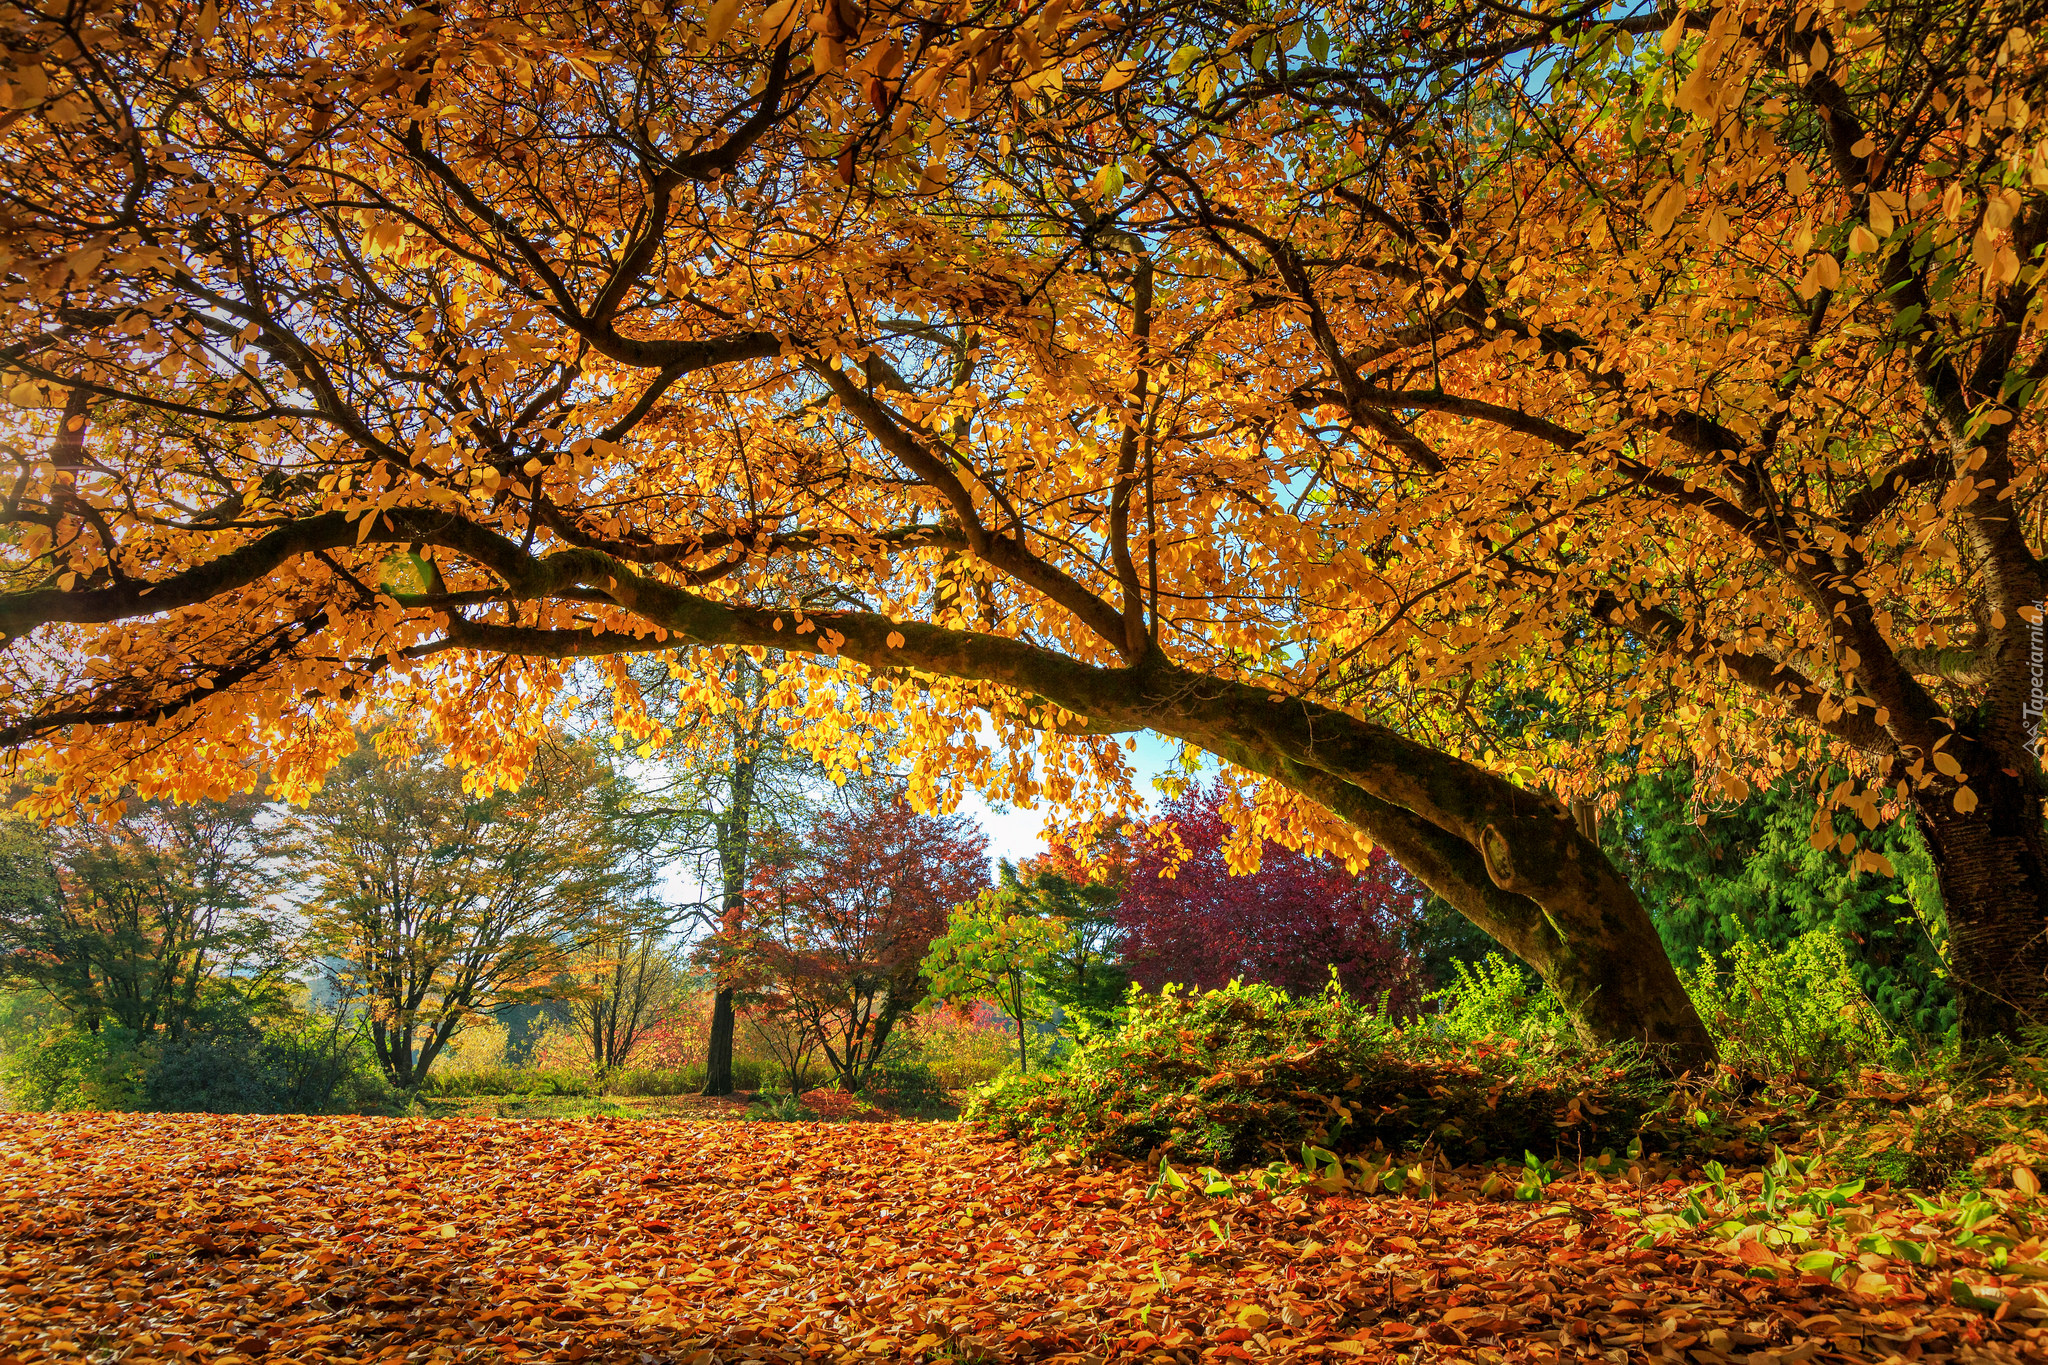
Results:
1679 374
419 356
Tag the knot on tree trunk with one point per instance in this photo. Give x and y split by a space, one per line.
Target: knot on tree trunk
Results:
1498 857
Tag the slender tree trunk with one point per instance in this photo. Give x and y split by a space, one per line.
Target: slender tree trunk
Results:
735 833
1016 1003
1992 866
718 1054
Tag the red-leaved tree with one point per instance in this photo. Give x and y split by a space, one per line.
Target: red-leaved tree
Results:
840 917
1187 918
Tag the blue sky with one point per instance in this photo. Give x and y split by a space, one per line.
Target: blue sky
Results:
1017 833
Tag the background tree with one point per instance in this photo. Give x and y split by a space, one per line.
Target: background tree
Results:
145 919
996 948
159 966
725 783
436 903
1194 911
625 982
841 919
1082 971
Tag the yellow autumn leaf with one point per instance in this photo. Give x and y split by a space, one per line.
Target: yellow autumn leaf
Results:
775 22
720 20
30 87
1667 209
1119 76
1673 33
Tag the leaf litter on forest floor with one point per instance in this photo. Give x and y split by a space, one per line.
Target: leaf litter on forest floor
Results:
199 1238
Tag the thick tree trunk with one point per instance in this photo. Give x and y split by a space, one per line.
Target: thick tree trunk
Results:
718 1054
1514 862
395 1053
1588 938
1992 866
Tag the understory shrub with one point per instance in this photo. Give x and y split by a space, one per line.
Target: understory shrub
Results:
1793 1011
963 1045
291 1065
1240 1074
1496 998
509 1080
907 1086
209 1073
747 1074
62 1067
777 1107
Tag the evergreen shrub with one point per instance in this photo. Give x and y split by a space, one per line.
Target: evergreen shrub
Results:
1795 1010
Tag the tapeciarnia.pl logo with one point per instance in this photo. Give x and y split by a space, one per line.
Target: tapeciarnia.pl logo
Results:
2037 676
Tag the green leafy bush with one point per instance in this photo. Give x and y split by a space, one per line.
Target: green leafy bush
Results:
290 1064
777 1108
907 1086
1240 1074
510 1080
1796 1010
1713 873
317 1068
297 1065
1496 998
62 1067
209 1073
747 1074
